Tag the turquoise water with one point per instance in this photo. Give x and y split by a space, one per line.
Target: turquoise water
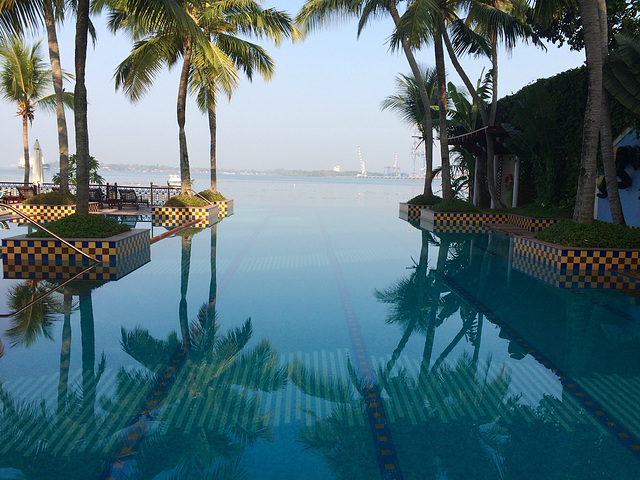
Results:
374 350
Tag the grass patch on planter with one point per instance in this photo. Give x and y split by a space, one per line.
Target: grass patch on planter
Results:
52 198
83 226
423 199
591 235
185 201
212 196
541 211
455 205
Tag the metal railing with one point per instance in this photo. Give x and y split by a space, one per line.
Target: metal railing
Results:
154 195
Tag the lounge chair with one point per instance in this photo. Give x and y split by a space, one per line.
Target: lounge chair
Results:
96 196
112 197
25 193
128 197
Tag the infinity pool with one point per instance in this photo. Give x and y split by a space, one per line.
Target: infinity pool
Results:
313 334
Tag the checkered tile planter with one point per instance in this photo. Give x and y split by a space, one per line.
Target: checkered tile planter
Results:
593 280
102 272
458 229
172 217
532 224
450 219
411 212
23 255
225 208
574 260
42 213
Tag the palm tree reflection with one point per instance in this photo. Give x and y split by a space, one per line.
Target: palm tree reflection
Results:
35 321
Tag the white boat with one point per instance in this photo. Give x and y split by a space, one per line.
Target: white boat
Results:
174 181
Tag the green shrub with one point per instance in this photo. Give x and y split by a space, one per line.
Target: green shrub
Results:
212 196
185 201
595 235
536 210
424 200
455 205
52 198
83 226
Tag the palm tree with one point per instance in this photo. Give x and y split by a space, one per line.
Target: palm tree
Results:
37 320
24 79
210 61
316 13
222 21
48 12
407 104
597 118
488 22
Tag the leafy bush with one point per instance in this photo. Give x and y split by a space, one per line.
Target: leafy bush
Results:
83 226
185 201
213 196
596 235
424 200
52 198
536 210
455 205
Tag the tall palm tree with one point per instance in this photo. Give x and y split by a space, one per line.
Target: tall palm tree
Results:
407 104
25 79
210 60
597 118
317 13
48 12
488 23
223 21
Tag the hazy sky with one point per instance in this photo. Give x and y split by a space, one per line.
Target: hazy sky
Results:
323 103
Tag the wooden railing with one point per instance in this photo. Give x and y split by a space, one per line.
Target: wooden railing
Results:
156 195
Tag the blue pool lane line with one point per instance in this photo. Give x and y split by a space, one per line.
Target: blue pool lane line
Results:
589 403
386 457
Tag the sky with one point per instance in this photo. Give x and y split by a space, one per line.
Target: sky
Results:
321 105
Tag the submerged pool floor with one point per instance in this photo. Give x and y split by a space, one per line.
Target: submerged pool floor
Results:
321 341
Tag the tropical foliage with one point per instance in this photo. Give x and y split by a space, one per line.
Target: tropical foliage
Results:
94 176
26 80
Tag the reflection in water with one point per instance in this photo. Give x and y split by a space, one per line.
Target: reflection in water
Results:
211 409
463 417
36 320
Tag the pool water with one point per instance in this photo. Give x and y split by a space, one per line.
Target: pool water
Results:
315 335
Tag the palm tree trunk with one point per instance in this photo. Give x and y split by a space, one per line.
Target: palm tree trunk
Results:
606 138
428 147
65 354
213 282
56 72
185 174
442 106
213 144
428 174
80 109
88 338
583 211
184 287
491 178
25 148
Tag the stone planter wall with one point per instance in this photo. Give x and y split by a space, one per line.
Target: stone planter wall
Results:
42 213
172 217
410 212
225 208
23 250
574 260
